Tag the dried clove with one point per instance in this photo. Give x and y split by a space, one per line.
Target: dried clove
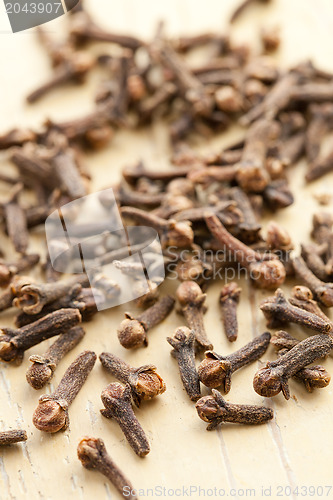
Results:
312 377
16 137
278 311
117 401
9 269
145 382
229 298
191 300
133 330
322 291
10 437
74 68
215 370
273 378
16 222
84 29
43 366
172 233
264 273
183 343
215 410
32 298
51 415
13 343
93 456
252 175
86 300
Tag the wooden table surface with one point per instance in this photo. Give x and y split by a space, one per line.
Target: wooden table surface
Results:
293 450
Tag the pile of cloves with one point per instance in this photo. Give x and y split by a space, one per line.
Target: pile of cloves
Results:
207 210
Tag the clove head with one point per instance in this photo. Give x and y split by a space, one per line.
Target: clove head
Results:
8 352
268 274
267 382
179 234
300 292
131 333
116 398
146 383
215 371
39 373
90 452
190 292
208 409
315 377
325 295
50 416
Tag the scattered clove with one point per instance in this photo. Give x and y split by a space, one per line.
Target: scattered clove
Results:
43 367
313 376
191 300
117 401
10 269
32 298
322 291
13 343
93 456
183 344
272 379
264 273
215 370
278 311
11 437
51 415
145 382
133 330
215 410
229 298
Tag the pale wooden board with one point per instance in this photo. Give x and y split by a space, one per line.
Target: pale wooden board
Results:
295 449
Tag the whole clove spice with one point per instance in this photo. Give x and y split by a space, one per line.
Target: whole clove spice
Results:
73 69
172 233
51 415
215 410
183 343
264 273
133 330
322 291
86 300
43 366
93 456
145 382
84 29
16 222
7 296
273 378
11 437
313 376
278 311
32 298
252 175
13 342
215 370
302 297
229 298
191 300
117 401
10 269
